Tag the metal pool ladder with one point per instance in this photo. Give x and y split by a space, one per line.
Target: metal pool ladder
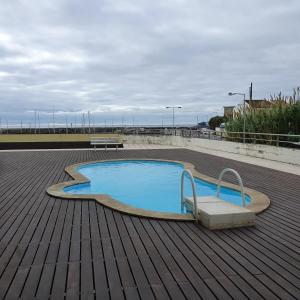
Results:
191 177
237 175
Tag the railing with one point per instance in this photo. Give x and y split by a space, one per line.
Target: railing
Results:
264 138
239 180
195 208
285 140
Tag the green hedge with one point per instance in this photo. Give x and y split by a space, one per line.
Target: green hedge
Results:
280 118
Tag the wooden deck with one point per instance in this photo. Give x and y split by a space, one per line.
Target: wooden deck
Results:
52 248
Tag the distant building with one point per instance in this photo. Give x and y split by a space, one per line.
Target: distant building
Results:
228 111
258 104
202 125
232 111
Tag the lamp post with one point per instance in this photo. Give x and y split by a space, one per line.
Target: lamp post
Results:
173 108
244 112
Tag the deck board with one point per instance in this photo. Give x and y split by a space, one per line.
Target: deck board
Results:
72 249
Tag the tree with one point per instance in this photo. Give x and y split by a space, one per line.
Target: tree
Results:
215 122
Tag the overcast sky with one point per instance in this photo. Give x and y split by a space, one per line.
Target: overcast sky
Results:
127 60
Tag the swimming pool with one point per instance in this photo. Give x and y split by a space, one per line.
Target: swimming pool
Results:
144 184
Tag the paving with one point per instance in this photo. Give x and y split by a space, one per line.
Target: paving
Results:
77 249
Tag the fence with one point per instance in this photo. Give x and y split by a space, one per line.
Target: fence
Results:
284 140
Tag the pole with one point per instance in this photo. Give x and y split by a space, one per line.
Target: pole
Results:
39 122
94 128
173 111
35 122
83 123
244 111
250 91
89 120
244 129
66 124
53 121
173 118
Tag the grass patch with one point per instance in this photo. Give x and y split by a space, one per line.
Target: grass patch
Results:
18 138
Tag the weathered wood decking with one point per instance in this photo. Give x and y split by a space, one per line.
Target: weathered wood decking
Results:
52 248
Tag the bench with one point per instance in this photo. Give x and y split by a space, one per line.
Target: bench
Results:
94 141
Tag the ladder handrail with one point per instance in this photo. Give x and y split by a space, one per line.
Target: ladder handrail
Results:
191 177
239 180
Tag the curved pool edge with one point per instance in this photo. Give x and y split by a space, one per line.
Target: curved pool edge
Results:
259 201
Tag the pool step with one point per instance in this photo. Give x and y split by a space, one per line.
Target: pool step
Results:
189 201
204 199
215 213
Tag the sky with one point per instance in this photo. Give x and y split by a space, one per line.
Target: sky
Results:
125 61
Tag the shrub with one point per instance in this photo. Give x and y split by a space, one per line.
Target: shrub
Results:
281 117
215 122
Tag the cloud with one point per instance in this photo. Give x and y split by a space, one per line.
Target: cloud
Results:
119 59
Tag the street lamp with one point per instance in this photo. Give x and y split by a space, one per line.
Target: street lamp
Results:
244 112
173 108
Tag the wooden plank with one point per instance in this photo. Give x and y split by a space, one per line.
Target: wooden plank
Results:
100 279
86 282
44 287
140 274
17 285
32 281
59 281
239 268
73 281
17 256
112 273
182 262
69 248
162 269
272 249
279 278
276 263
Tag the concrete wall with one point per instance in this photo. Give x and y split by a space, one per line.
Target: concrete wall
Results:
280 154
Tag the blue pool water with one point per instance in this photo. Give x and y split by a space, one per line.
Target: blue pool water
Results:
152 185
